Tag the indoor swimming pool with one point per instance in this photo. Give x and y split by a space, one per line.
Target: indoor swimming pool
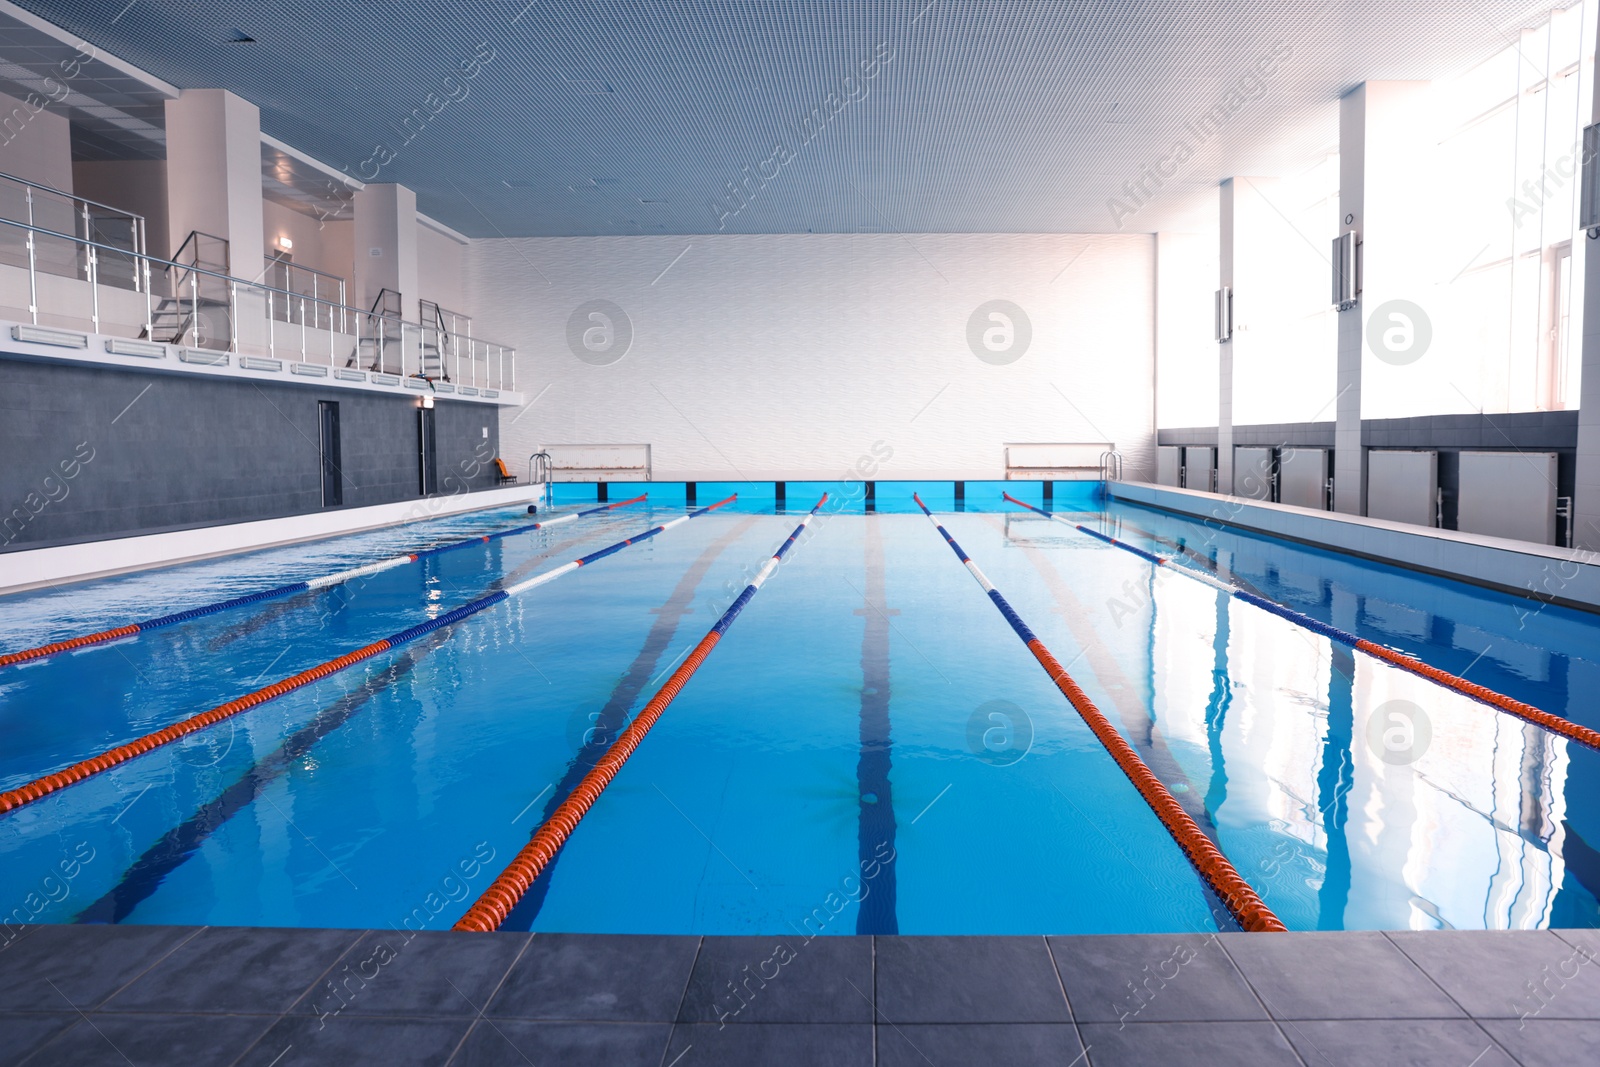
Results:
869 749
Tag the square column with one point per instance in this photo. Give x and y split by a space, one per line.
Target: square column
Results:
386 246
1382 147
214 174
1253 232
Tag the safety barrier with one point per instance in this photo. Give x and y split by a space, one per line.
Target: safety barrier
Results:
1527 712
32 791
1242 902
491 909
326 581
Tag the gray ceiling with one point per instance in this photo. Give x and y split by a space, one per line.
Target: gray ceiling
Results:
604 117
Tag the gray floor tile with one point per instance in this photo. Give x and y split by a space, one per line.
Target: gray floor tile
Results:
1187 1045
236 969
1547 1042
599 977
770 1045
353 1040
153 1041
498 1042
1152 978
432 973
50 966
916 1045
20 1034
967 980
1509 974
781 980
1395 1043
1336 975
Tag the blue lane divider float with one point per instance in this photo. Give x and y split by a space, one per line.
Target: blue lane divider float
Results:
25 794
30 654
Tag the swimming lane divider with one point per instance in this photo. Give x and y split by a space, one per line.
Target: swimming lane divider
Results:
1511 706
324 582
16 798
1247 907
491 909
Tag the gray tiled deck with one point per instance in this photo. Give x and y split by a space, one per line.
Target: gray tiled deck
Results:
86 995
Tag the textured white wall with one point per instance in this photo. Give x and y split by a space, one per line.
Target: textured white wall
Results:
790 355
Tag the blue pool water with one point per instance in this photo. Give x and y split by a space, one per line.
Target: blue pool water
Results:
870 749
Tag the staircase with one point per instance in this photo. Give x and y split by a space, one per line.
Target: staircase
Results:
197 312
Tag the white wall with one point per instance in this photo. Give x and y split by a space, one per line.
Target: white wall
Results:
441 271
35 144
793 354
1186 352
136 185
321 244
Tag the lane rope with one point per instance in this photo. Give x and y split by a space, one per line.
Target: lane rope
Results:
491 909
1242 901
24 794
1404 660
30 654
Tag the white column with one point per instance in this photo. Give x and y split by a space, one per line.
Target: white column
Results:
386 246
214 174
1227 246
1252 240
1586 490
1382 149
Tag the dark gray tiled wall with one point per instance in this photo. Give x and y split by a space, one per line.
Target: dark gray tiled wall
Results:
195 451
1541 430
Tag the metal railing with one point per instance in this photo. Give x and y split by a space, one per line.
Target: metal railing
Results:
120 233
318 292
214 310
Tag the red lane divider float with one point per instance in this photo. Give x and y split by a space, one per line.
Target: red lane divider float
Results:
491 909
32 791
1242 901
29 654
1406 662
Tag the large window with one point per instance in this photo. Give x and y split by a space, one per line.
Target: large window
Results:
1505 288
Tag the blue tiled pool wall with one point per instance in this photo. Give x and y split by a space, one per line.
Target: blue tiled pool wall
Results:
844 497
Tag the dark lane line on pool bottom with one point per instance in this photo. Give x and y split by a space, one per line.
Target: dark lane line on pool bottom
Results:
613 717
876 913
173 849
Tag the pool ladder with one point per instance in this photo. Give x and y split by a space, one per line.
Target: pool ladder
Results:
1111 466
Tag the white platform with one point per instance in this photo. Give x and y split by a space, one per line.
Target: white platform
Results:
42 567
1567 576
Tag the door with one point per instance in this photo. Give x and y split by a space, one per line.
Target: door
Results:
332 484
428 481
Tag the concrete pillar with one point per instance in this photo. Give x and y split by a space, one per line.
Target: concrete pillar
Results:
214 174
1382 148
1586 490
1253 232
386 246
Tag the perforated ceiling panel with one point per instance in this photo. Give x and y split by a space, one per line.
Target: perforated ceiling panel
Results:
563 117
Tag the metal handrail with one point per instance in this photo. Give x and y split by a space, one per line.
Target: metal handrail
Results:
174 261
75 198
146 264
539 469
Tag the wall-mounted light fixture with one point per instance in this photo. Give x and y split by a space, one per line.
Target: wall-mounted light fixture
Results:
425 401
1346 270
1222 315
1588 187
285 244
